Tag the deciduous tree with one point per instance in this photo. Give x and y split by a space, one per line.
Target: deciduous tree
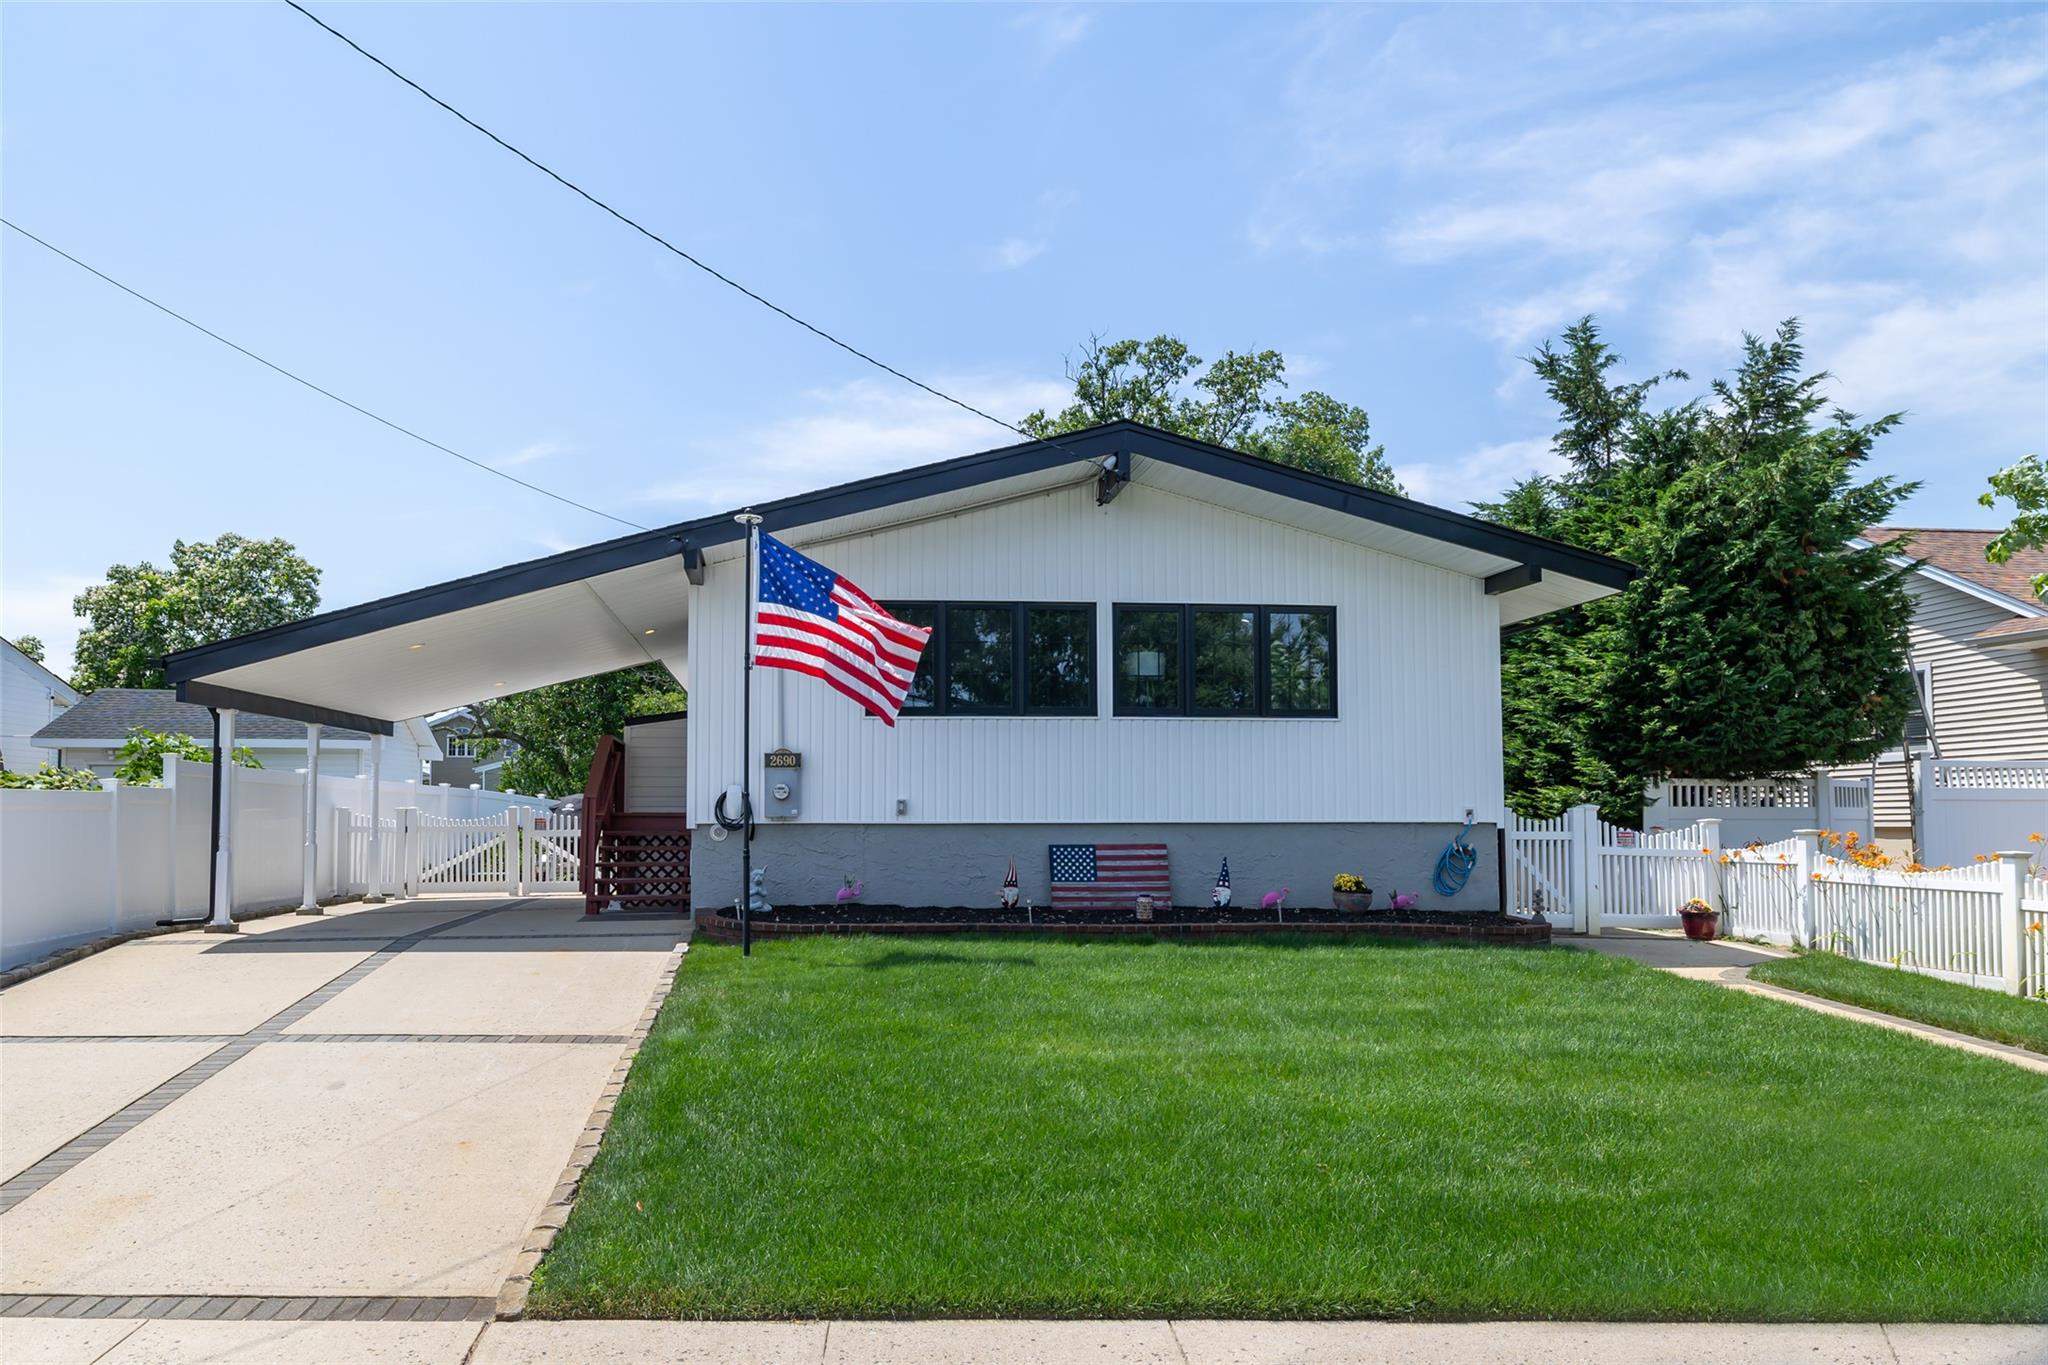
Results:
212 589
556 728
1237 401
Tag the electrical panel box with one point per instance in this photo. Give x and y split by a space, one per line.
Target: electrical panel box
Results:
784 779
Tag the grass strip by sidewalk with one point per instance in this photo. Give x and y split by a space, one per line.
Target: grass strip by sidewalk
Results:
875 1127
1929 1000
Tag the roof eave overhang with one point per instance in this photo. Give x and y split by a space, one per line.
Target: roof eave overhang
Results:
188 669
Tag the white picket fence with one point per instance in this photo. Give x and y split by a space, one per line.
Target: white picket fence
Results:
1583 873
519 852
1984 924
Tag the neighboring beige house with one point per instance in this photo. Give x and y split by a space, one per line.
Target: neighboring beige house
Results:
31 696
1979 660
89 734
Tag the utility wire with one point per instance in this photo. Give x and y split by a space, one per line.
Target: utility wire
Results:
666 244
324 393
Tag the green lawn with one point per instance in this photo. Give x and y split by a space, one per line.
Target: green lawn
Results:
902 1127
1945 1004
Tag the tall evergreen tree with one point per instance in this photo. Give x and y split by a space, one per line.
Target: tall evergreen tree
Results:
1756 642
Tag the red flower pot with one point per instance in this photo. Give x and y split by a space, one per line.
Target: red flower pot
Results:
1701 924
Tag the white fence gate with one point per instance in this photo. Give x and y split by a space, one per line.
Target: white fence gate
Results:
519 852
1582 873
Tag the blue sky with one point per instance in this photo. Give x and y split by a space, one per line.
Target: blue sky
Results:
1404 201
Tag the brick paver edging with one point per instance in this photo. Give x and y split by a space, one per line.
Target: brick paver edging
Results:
251 1307
511 1304
78 952
726 929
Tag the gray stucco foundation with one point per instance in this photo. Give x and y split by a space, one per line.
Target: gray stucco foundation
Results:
962 865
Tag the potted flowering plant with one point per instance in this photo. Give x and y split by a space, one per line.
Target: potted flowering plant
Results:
1701 920
1350 893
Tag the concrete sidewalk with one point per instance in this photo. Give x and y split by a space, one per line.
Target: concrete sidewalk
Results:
1724 962
1145 1342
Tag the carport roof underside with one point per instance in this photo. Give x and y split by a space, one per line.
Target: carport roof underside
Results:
626 601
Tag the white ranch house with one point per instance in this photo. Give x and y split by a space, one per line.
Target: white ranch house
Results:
1139 638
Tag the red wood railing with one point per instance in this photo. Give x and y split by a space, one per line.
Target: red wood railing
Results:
604 796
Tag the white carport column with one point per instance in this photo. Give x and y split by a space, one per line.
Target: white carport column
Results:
309 900
223 920
376 821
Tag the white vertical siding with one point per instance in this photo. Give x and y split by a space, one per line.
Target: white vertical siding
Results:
29 700
656 766
1987 703
1417 735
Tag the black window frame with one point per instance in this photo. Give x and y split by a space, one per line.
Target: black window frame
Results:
1261 661
1020 681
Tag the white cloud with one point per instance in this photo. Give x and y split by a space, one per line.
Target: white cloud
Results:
865 427
1700 173
1053 28
1012 252
42 607
1484 472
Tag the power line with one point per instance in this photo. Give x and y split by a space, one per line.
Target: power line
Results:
666 244
324 393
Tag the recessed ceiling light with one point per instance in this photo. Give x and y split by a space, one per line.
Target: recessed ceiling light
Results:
648 631
419 646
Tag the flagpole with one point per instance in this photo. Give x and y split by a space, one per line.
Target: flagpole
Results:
752 522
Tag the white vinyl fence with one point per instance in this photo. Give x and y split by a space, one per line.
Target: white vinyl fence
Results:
1582 873
1984 924
78 865
1766 810
1967 807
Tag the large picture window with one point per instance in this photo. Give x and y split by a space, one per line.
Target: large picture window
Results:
1002 658
1225 661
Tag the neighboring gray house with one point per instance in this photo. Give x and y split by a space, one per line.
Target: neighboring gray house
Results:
1979 660
90 733
460 766
31 696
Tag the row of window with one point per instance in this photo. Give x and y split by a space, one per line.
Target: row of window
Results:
1026 658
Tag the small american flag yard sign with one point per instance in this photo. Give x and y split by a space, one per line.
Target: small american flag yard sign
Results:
1108 876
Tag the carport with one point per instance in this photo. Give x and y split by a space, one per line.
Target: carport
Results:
627 601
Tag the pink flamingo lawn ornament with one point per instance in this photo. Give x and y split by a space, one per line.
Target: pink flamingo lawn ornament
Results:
1276 901
1402 902
849 892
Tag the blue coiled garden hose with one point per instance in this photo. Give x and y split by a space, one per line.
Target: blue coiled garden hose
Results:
1455 864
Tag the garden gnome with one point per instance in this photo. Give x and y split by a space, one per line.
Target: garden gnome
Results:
1009 892
1220 897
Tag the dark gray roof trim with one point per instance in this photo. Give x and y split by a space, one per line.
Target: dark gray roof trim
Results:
112 712
884 490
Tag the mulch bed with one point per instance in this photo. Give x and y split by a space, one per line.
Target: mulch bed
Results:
788 921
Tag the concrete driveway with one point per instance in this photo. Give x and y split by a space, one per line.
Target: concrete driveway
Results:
319 1139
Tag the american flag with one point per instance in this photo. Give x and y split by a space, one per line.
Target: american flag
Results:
1108 876
812 620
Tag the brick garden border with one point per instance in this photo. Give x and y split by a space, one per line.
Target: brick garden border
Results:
512 1295
724 928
